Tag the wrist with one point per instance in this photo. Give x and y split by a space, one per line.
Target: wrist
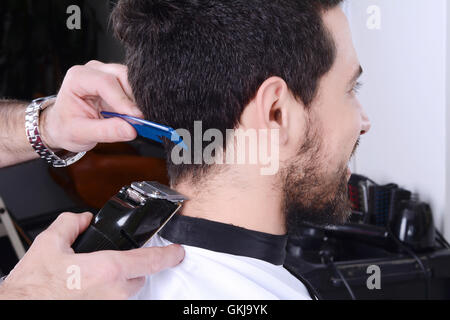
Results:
45 127
34 116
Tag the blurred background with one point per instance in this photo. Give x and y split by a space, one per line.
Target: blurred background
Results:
406 94
37 48
403 46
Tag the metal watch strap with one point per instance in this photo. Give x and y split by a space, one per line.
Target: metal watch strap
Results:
34 137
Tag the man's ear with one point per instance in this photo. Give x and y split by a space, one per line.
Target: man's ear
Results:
270 109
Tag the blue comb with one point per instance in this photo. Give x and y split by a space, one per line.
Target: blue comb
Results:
148 129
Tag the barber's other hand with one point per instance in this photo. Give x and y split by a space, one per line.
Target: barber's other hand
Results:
47 270
74 122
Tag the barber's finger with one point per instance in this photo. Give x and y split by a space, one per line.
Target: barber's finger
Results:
87 82
103 130
118 70
68 226
146 261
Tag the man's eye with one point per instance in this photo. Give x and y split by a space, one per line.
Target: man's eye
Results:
356 87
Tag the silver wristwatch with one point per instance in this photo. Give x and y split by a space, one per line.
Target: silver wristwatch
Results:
34 137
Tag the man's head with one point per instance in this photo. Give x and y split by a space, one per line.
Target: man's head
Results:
287 65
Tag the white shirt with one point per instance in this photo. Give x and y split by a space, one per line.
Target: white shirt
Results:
210 275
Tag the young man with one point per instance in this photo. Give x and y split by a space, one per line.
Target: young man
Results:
285 66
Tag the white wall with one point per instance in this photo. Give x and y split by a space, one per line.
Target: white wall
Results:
404 95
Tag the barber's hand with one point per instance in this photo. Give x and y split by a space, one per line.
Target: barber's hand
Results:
48 270
74 123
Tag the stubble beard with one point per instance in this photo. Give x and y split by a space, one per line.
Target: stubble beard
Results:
312 196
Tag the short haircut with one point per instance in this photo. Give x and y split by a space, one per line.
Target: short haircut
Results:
204 60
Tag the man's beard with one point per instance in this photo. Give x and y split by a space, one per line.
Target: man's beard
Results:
311 195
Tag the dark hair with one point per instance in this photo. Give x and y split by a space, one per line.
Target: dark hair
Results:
204 60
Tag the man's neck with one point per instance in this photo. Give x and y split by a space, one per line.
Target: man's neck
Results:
227 198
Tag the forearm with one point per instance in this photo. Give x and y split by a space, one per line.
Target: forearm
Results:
14 146
73 122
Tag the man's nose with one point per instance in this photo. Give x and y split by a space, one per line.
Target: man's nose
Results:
366 125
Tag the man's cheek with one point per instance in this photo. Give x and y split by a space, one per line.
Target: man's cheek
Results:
332 155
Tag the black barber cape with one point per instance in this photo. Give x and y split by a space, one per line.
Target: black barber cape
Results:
222 262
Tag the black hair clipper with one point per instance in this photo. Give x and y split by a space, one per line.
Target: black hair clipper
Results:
130 218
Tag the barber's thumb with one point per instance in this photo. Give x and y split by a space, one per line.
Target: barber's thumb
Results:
117 130
174 255
146 261
106 131
125 131
70 225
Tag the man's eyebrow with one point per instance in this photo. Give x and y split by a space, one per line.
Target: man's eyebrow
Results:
357 74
